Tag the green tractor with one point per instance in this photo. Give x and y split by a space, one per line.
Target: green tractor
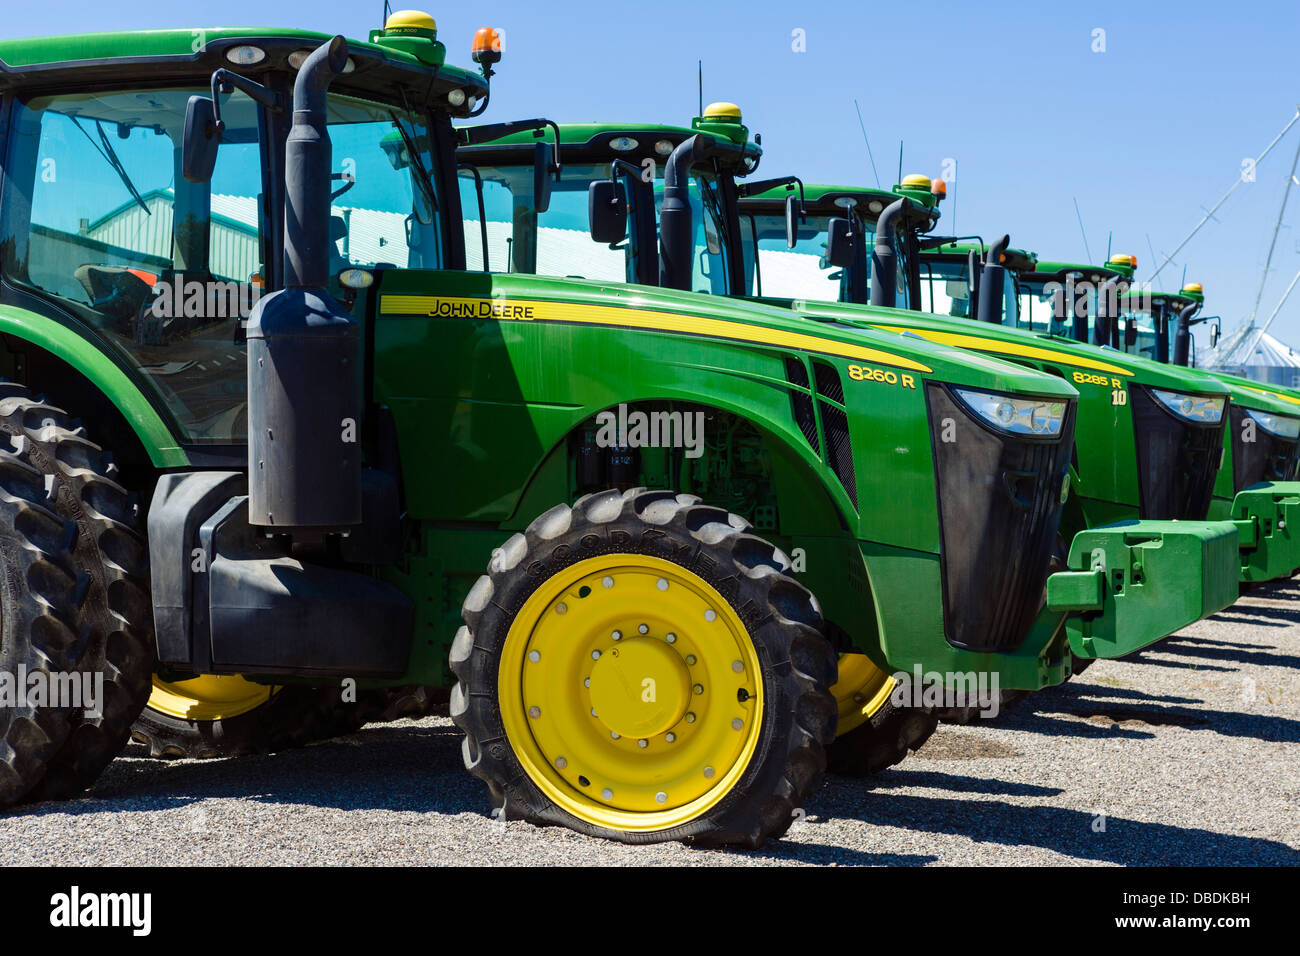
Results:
664 208
267 429
1257 485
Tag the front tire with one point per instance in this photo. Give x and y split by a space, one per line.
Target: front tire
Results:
640 667
873 733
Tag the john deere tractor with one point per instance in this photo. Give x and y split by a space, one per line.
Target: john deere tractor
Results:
1256 487
662 206
264 425
1196 475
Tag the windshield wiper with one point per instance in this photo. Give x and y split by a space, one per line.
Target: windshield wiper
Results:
422 174
111 157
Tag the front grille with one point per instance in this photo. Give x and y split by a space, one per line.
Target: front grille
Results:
999 508
1265 458
1177 460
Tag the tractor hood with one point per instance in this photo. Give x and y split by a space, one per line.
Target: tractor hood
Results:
541 298
1015 344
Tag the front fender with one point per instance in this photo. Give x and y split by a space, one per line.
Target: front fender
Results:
116 386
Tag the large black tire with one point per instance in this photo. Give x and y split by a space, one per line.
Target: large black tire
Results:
40 591
413 702
293 717
890 734
782 619
115 621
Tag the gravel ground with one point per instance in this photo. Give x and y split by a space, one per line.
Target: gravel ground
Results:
1189 750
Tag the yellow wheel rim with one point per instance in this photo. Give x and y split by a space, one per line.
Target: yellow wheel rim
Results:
631 692
209 697
860 690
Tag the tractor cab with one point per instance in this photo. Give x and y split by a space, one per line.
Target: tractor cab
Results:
1163 322
596 216
776 269
951 273
1074 300
112 228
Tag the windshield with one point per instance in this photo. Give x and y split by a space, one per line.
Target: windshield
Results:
798 273
558 242
384 209
98 220
946 290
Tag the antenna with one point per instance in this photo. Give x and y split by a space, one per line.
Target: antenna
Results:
863 127
1152 250
1277 226
1240 179
700 65
1108 237
387 10
900 162
1079 216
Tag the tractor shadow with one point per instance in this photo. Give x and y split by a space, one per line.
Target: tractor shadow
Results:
405 767
1063 830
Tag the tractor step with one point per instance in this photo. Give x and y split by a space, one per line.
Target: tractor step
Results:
1134 582
228 599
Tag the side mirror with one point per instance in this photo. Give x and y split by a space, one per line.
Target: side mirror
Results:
202 137
1214 335
1130 332
840 243
543 166
791 220
607 211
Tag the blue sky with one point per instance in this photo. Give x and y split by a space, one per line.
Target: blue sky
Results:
1143 135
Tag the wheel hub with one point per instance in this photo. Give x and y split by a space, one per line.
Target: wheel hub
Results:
640 688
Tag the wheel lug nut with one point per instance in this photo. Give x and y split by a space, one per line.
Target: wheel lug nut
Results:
690 718
670 737
690 660
708 772
661 797
595 655
561 763
593 711
586 682
643 743
698 688
642 629
737 666
710 615
607 582
662 584
561 608
617 635
534 656
613 735
670 637
737 724
534 712
607 794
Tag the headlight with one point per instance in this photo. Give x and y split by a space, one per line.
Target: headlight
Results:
1018 415
1202 409
1278 425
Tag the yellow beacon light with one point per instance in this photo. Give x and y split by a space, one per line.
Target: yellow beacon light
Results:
722 111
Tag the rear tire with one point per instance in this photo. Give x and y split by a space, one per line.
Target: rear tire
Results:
115 621
610 548
40 591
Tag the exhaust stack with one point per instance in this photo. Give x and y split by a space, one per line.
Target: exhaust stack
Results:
304 387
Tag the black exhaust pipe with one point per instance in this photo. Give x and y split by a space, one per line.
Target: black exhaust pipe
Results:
1183 334
1107 307
992 280
884 257
676 229
304 386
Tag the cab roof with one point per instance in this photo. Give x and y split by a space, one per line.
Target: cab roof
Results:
90 58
